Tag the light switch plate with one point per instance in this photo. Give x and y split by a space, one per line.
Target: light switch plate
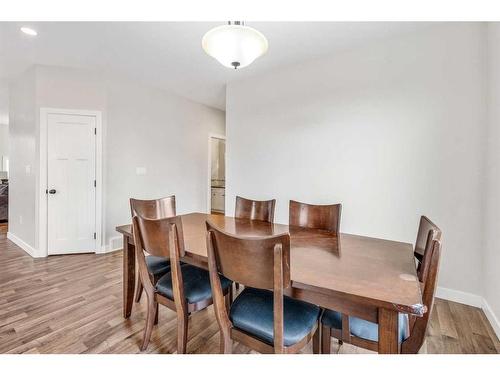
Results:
140 171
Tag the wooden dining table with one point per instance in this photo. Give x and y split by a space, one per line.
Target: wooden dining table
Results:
370 278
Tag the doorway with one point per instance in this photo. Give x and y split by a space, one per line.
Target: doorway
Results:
217 174
4 178
70 207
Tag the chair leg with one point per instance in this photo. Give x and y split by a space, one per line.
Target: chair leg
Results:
138 290
152 306
316 341
182 330
326 340
227 301
226 344
156 314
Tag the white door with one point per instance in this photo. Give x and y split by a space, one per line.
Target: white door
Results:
71 193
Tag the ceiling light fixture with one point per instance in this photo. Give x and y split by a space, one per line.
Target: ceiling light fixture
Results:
29 31
234 45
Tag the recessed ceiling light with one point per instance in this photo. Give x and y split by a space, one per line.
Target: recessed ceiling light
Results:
29 31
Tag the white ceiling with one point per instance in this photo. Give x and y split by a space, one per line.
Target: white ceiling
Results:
168 55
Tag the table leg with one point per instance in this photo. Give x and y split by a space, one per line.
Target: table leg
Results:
128 276
388 329
317 341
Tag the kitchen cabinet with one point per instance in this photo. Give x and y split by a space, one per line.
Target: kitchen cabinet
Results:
218 199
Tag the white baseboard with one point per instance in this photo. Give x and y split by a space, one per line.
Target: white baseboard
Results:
471 300
492 318
23 245
114 244
460 297
105 250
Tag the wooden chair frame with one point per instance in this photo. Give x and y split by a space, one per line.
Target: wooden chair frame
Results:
151 209
254 210
427 232
326 217
168 242
278 282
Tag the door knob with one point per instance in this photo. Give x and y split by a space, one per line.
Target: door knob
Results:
52 191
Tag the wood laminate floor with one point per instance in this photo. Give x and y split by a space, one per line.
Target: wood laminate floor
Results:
73 304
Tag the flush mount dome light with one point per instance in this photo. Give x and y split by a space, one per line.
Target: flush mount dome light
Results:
234 45
29 31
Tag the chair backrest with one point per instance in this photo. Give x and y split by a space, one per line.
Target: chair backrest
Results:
163 238
325 217
153 235
153 208
255 210
427 232
258 262
418 326
251 261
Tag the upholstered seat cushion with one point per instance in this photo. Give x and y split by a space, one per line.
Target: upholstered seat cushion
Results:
252 312
196 284
157 266
362 328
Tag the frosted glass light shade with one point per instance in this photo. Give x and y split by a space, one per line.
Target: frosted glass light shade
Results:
234 46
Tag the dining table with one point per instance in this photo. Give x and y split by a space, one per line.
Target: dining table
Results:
369 278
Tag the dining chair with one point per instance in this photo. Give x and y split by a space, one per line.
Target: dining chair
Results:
261 317
254 210
184 289
153 209
427 232
326 217
364 333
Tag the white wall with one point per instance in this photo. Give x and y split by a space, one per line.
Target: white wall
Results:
392 130
492 208
4 121
4 103
23 161
143 127
70 88
164 133
4 142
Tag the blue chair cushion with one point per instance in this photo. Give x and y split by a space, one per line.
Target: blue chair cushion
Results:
362 328
252 312
157 266
196 284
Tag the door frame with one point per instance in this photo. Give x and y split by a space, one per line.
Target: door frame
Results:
42 201
209 176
